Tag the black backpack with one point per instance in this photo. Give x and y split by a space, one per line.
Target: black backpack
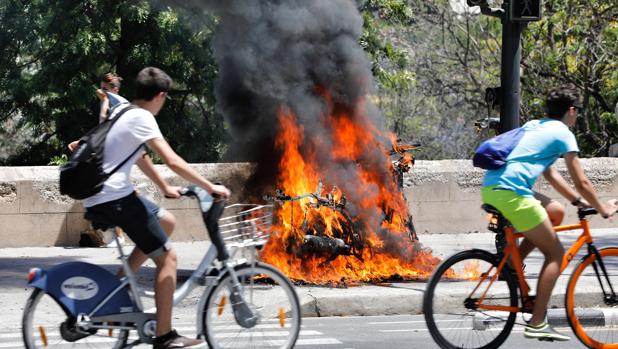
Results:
83 176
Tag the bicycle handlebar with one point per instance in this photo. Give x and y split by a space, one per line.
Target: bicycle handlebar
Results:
588 211
211 212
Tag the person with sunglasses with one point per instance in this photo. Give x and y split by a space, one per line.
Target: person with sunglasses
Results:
509 189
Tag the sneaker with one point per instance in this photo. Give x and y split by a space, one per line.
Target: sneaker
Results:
544 332
174 340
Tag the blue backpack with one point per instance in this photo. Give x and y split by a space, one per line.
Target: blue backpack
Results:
492 154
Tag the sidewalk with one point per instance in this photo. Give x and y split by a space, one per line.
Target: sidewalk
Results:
364 299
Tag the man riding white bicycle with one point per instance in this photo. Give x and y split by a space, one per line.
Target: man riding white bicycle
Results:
143 221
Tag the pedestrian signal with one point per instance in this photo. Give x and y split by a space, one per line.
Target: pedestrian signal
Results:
526 10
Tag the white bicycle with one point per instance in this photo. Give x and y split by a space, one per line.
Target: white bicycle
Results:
246 303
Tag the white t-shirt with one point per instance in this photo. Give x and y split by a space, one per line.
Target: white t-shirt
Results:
134 128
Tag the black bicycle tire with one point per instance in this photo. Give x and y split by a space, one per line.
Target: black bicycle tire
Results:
567 294
288 284
30 308
435 278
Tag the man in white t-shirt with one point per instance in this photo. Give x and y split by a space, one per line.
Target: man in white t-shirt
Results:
145 223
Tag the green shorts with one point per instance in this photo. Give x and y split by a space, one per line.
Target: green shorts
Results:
523 212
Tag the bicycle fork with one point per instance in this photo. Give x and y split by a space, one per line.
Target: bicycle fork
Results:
243 313
608 297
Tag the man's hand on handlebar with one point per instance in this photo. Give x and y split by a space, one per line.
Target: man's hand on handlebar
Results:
172 192
609 208
220 192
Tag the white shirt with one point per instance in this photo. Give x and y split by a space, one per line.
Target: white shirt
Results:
134 128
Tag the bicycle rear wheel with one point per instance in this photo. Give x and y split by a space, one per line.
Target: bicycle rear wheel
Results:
45 324
449 304
591 312
270 295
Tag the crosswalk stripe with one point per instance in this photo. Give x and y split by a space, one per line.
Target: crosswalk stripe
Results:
265 334
55 334
299 342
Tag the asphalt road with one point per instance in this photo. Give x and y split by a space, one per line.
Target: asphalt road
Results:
367 332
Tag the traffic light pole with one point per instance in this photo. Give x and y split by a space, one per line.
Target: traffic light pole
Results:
513 15
509 71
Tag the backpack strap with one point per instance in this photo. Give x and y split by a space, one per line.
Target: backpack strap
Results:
120 113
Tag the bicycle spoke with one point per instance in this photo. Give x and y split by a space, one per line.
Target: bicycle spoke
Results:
453 296
594 318
272 297
42 327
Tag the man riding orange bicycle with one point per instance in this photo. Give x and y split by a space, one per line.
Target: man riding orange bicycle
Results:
509 189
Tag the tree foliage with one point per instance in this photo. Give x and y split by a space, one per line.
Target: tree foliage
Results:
576 42
55 51
431 60
431 69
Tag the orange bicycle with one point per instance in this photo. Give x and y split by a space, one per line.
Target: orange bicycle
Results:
473 297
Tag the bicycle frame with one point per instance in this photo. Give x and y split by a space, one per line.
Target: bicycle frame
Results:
511 251
199 277
114 308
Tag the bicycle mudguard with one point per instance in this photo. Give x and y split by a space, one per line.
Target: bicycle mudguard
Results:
79 287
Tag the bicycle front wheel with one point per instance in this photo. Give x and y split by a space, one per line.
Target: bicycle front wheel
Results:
456 294
45 324
269 295
592 300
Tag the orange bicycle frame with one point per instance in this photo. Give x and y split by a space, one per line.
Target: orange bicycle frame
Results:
511 251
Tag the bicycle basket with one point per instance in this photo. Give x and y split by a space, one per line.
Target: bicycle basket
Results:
246 224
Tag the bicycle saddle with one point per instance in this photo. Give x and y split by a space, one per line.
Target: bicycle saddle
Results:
490 209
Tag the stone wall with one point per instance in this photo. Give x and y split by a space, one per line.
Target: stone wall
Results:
33 213
443 197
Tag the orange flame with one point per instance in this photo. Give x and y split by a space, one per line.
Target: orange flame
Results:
385 248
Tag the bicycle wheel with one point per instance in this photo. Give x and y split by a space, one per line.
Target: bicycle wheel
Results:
270 295
45 324
449 304
593 316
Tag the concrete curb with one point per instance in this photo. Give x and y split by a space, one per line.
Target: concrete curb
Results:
587 317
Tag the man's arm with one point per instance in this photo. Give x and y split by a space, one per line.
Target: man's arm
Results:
556 180
145 164
182 168
584 187
104 108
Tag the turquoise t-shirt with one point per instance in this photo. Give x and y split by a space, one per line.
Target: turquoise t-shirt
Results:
543 142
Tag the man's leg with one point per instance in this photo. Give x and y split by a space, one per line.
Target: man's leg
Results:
555 211
137 257
165 285
544 237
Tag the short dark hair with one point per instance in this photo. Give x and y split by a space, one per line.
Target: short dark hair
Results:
151 81
560 99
